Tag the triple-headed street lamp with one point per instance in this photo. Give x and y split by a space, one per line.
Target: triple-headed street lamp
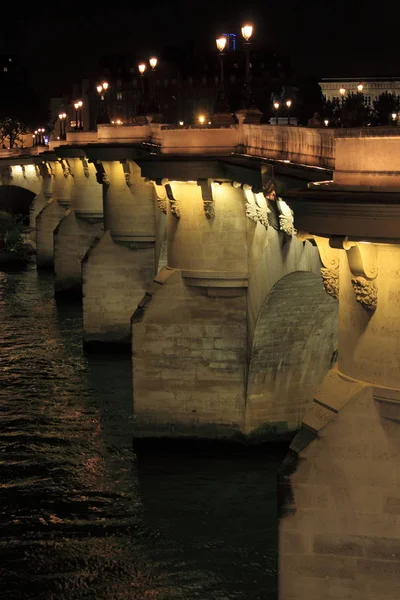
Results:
39 137
102 115
78 114
63 133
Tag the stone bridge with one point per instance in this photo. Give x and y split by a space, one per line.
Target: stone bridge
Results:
207 253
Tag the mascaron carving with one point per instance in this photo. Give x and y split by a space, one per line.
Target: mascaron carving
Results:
162 205
85 166
208 197
330 278
258 214
286 218
65 167
173 202
366 292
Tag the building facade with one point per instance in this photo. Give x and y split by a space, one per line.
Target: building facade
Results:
371 87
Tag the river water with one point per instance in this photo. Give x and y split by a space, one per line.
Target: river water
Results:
85 516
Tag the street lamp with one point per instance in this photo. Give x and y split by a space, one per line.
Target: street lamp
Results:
153 108
78 114
102 91
62 117
360 87
326 122
202 119
247 32
394 118
289 105
221 105
276 107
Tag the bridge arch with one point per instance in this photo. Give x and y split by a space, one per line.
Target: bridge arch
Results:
15 199
293 348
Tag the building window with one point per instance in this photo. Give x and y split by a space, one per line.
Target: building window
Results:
119 109
119 95
5 69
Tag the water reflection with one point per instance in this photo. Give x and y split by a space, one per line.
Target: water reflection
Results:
81 516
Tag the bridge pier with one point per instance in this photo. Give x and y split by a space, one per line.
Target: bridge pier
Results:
189 331
339 495
80 225
121 264
53 211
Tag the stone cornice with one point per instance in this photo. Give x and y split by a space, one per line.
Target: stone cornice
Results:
357 215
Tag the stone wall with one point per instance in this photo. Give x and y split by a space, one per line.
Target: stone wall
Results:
340 533
72 238
189 363
114 280
303 145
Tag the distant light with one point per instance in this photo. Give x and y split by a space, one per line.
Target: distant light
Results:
142 68
202 119
181 123
99 88
153 62
342 91
326 122
221 43
288 103
105 85
209 122
247 32
394 116
360 87
276 105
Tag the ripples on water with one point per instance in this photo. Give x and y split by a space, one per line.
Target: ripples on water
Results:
81 517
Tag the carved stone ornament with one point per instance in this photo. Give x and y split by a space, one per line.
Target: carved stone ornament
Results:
127 172
256 213
85 166
162 204
208 197
330 278
286 218
173 202
65 167
101 174
366 292
47 169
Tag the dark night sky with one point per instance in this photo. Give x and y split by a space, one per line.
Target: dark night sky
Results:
326 38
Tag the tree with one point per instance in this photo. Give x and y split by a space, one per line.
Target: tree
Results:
11 227
11 130
384 106
355 113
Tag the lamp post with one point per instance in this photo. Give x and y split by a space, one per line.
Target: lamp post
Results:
360 87
153 61
276 107
102 91
247 32
342 92
394 118
222 111
78 114
289 106
62 117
